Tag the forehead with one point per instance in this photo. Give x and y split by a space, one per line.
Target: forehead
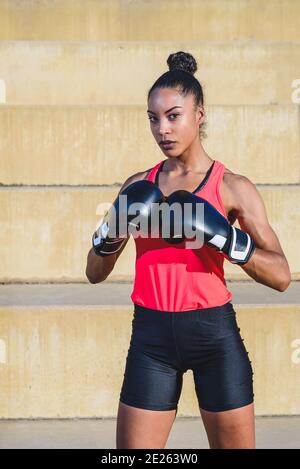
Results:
162 99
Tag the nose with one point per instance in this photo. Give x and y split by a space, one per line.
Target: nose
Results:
163 131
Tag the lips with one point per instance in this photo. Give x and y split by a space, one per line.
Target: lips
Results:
167 146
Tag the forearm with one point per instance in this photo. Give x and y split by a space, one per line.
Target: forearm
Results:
269 268
98 268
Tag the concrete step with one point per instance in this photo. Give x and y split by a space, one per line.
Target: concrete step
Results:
78 145
145 20
63 349
117 294
271 432
46 232
118 73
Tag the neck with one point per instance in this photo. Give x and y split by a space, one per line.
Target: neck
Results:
190 161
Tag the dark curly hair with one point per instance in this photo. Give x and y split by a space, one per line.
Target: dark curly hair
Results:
182 67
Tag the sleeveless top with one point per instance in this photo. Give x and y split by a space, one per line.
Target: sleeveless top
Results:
174 278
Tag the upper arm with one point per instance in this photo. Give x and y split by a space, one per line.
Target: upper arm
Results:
251 214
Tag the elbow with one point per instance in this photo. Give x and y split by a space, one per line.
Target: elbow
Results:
283 286
90 279
285 277
94 280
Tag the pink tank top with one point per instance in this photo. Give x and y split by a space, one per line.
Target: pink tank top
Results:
173 278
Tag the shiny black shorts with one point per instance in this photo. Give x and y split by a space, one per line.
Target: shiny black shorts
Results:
164 345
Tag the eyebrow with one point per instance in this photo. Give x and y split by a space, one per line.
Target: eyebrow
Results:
148 110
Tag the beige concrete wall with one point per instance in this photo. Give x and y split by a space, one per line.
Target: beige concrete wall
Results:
74 78
46 233
53 229
145 20
106 144
89 73
69 361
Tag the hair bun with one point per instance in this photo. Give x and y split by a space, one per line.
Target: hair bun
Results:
182 61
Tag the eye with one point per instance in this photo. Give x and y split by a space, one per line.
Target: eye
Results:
152 117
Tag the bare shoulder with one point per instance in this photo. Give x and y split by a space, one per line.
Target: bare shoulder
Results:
250 210
235 188
135 177
231 178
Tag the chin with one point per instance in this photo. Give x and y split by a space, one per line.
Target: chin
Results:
170 154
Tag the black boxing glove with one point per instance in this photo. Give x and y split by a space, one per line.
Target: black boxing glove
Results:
121 217
215 230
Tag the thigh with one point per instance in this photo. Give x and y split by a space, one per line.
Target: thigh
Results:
152 378
149 383
224 381
232 429
140 428
224 387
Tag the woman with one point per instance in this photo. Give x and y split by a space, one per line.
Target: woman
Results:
183 315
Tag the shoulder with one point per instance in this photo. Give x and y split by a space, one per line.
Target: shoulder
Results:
242 191
237 183
250 210
237 192
135 177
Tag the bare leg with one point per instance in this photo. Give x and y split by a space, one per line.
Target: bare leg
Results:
230 429
141 428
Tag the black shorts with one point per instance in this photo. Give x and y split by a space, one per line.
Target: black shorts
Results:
164 345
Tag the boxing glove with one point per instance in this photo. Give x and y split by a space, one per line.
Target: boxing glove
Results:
237 245
121 220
